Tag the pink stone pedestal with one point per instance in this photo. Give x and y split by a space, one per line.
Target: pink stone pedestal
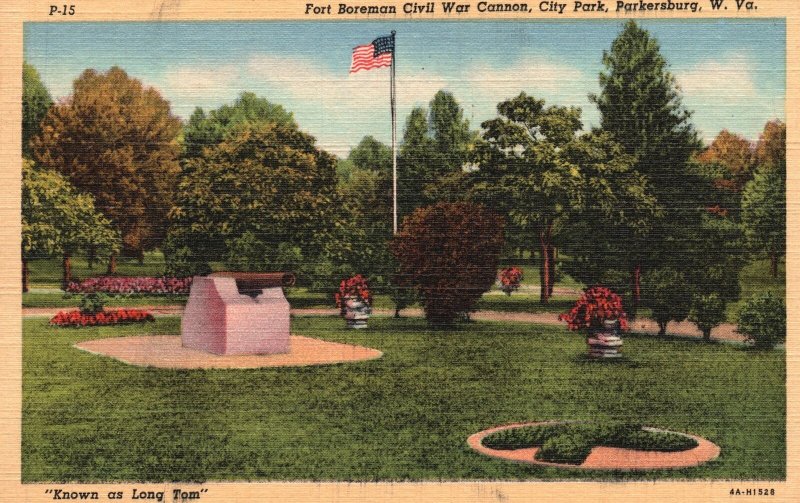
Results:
220 320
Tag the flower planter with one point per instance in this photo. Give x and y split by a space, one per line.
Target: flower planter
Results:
605 341
356 312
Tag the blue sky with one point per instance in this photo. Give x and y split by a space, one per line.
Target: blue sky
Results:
732 72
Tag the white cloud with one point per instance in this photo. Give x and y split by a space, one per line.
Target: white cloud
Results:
728 79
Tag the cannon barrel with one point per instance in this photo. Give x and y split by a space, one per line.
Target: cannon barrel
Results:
251 283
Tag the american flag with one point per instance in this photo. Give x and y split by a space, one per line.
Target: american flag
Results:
375 55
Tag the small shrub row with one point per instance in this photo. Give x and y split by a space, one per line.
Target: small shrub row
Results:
571 443
77 318
127 286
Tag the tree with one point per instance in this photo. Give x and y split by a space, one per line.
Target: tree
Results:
535 171
57 219
116 139
707 312
764 214
467 240
735 154
266 181
641 107
435 146
664 293
771 146
207 130
36 101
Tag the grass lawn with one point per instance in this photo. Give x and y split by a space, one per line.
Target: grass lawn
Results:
405 416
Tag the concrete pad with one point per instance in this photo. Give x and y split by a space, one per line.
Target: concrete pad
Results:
166 351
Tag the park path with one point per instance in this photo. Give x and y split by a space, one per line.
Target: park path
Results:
725 331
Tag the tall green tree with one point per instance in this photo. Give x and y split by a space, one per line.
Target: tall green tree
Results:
640 105
59 220
115 139
209 129
764 214
436 144
266 182
36 100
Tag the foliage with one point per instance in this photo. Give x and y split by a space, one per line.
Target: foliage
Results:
92 303
354 287
110 317
565 448
115 285
596 305
641 107
435 146
762 320
36 100
510 278
449 252
707 312
206 130
522 437
764 214
735 154
264 185
771 146
116 139
183 262
57 219
248 253
664 292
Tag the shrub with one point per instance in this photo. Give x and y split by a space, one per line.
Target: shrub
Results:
665 292
449 252
663 441
112 317
707 312
566 448
596 305
248 253
510 278
182 263
92 303
522 437
762 320
115 285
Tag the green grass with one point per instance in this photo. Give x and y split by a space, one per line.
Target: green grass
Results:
405 416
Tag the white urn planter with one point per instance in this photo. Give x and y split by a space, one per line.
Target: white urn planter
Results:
356 312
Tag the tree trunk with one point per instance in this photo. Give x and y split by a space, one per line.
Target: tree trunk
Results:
707 335
396 313
67 271
552 257
140 256
773 264
112 264
636 290
545 263
662 328
26 275
92 256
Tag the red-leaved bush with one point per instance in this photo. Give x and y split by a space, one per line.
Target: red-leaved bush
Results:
108 317
510 278
141 285
449 253
596 305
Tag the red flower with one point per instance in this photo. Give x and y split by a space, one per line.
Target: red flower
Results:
355 286
596 305
110 317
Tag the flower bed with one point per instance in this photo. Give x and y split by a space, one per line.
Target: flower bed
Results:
77 318
126 286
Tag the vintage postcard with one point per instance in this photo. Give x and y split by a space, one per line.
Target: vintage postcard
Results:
387 250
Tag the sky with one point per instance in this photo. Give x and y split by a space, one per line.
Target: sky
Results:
732 72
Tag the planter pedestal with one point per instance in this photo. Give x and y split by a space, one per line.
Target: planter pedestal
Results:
356 312
605 342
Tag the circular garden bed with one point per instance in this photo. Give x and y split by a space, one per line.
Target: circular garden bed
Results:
604 446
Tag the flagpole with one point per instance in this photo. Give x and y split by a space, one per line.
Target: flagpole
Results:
394 138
